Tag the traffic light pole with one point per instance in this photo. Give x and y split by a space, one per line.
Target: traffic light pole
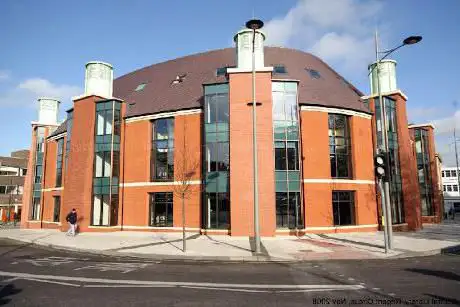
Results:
386 204
385 232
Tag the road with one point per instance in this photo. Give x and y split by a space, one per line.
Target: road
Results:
32 276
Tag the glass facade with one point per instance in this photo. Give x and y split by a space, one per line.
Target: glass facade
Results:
161 209
69 124
38 173
60 153
106 164
343 208
423 171
396 197
339 146
162 157
289 211
57 208
216 205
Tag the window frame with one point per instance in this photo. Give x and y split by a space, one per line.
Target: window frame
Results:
154 150
59 161
57 204
338 202
346 138
169 208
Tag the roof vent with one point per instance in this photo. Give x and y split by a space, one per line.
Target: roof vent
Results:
179 79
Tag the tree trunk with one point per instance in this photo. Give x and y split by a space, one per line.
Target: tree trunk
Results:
184 248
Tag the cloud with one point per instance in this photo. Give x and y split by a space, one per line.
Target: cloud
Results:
338 31
27 92
446 125
4 75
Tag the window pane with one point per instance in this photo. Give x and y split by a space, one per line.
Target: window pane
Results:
280 159
292 156
108 122
211 111
278 106
100 123
290 107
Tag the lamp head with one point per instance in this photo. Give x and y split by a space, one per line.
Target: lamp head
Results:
412 40
254 24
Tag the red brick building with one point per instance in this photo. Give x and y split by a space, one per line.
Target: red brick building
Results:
132 149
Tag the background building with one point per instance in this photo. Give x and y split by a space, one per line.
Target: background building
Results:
133 149
431 200
12 174
451 189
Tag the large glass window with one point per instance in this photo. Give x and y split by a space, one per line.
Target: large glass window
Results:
423 171
287 155
60 152
163 149
57 208
8 189
38 173
216 205
106 163
69 124
339 146
36 208
161 209
343 207
396 195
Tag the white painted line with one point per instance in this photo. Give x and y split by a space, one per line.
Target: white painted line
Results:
9 279
173 283
125 286
52 282
225 289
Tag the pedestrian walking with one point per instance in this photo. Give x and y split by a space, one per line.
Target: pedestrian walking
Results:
72 220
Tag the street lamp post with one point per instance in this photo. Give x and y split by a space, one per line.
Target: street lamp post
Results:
386 201
455 146
255 24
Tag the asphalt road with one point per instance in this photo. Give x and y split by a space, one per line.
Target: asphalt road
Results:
31 276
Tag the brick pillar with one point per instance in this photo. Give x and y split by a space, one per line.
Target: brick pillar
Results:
408 166
241 149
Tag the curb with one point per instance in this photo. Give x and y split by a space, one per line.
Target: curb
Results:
223 259
158 257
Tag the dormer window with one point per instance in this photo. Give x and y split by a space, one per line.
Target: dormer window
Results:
279 69
314 74
140 87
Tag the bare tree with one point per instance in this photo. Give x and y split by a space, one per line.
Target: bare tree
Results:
186 169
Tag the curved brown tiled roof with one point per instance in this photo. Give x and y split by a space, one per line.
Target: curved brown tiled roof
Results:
160 95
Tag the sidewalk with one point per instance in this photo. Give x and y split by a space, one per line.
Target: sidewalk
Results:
168 246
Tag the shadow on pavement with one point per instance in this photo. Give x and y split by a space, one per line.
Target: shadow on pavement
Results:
154 244
451 250
252 243
443 300
20 244
441 274
7 291
350 241
228 244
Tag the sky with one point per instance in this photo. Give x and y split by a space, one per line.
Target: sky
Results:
45 45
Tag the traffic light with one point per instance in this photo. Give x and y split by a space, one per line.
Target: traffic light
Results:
381 166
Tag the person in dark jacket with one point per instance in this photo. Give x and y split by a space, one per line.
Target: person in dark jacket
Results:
72 220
